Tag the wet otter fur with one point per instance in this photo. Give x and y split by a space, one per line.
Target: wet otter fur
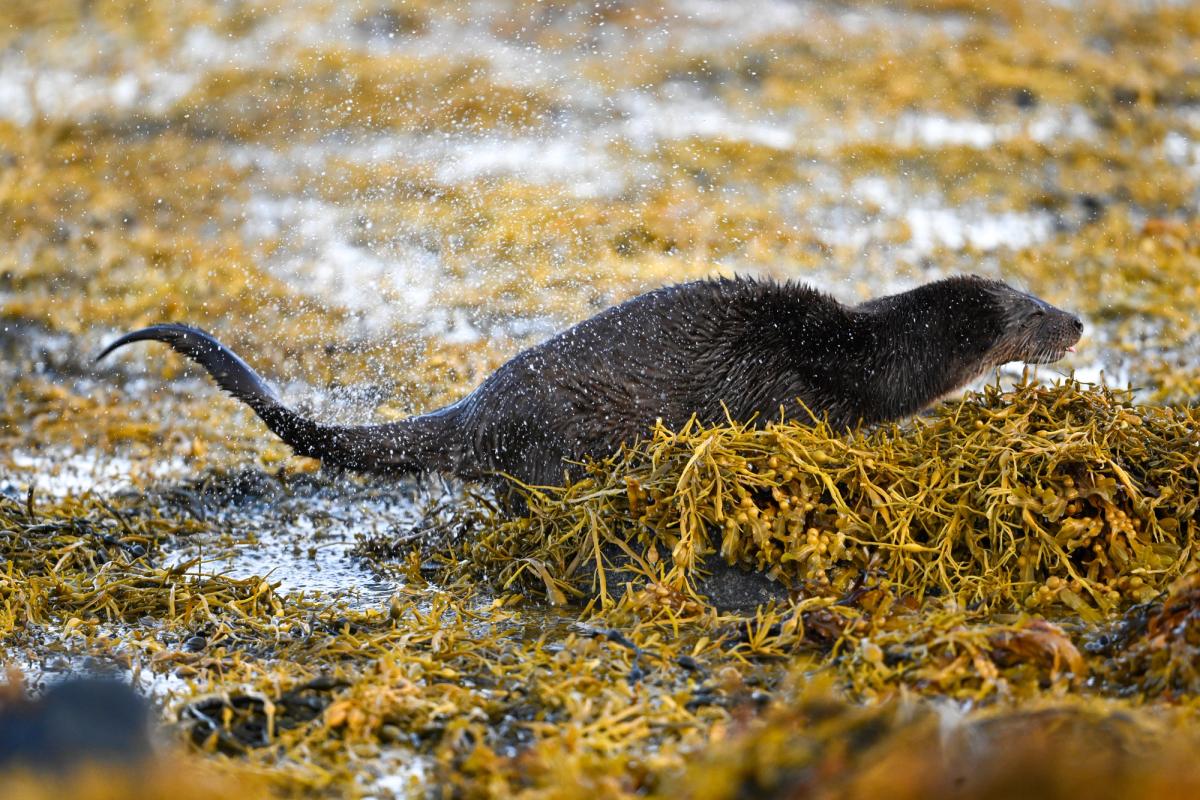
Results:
737 348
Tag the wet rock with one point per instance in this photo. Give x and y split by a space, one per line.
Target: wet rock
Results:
727 588
77 721
731 588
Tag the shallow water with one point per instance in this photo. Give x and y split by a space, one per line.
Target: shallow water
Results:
300 539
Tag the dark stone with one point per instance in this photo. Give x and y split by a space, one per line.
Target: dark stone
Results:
77 721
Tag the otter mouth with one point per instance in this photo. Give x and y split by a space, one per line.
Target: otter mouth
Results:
1050 356
1039 333
1043 355
1052 341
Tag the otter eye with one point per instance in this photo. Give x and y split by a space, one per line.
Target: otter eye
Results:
1037 314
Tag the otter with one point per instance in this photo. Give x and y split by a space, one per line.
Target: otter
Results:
716 349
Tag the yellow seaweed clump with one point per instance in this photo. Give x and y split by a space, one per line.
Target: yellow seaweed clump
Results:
1069 497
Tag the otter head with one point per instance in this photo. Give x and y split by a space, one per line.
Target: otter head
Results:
1030 329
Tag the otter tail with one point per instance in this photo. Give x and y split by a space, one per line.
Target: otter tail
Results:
415 444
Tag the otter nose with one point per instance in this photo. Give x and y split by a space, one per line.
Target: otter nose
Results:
1077 324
